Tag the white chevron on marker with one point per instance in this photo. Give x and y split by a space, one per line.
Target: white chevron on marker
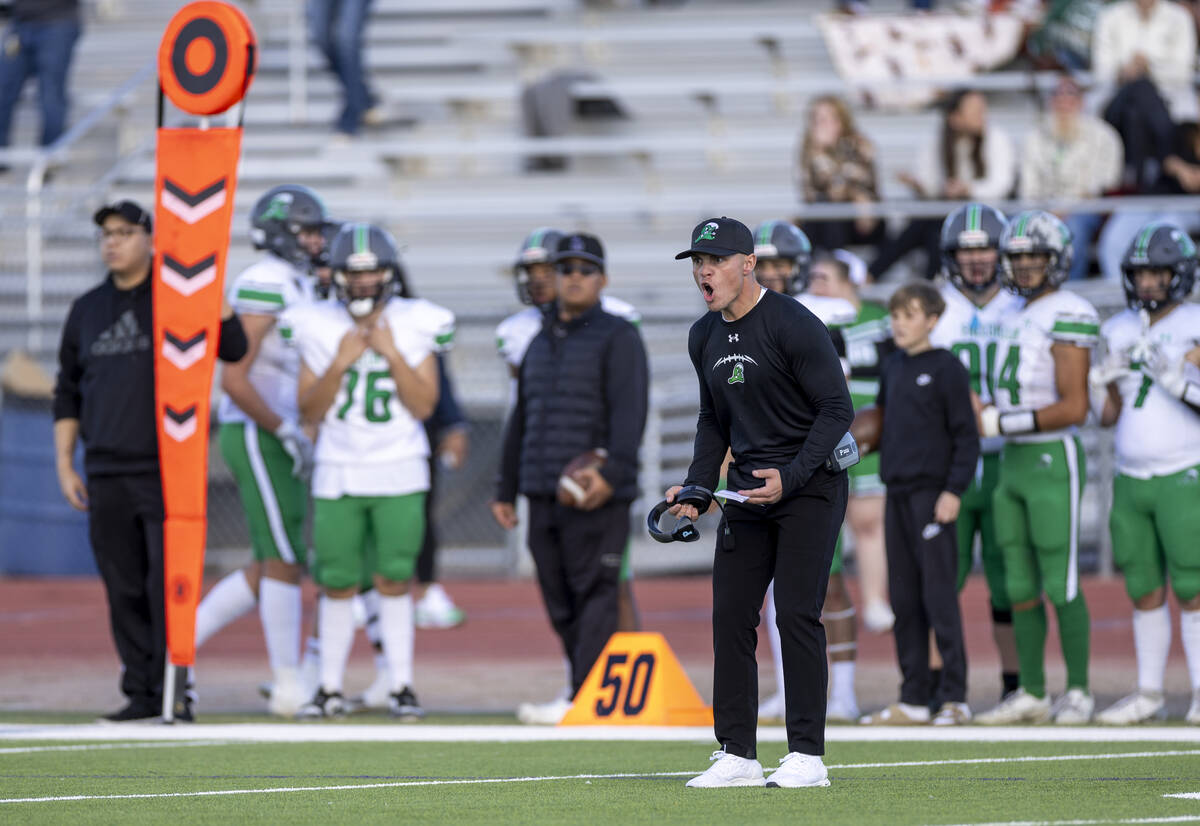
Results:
184 285
191 214
184 357
179 431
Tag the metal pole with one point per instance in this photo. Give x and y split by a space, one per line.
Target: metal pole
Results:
297 63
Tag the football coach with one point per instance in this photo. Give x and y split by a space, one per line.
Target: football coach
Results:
772 392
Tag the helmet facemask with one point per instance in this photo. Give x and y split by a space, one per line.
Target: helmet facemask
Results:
363 289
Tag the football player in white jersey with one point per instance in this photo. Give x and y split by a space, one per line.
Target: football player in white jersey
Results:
536 281
784 254
261 439
976 307
368 375
1040 396
1150 386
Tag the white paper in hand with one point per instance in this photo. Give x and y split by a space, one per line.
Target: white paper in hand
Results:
731 495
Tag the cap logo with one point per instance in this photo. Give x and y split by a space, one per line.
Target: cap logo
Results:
708 232
577 244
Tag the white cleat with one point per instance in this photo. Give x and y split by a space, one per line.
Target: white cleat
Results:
1018 707
1075 708
878 617
287 694
1193 715
772 709
898 714
543 714
729 770
1138 707
437 610
797 771
952 714
839 710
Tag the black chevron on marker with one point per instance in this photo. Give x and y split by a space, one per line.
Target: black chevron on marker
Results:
189 198
180 418
192 271
183 345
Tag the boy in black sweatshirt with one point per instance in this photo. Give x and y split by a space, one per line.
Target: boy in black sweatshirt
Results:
928 448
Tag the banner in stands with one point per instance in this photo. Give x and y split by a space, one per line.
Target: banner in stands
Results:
205 64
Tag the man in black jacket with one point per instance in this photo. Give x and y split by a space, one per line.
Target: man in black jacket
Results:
583 387
772 392
39 43
105 394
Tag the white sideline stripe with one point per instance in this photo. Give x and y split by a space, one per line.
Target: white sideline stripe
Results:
544 778
266 492
166 744
383 733
1174 819
1185 796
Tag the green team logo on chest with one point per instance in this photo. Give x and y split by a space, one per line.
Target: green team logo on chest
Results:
739 362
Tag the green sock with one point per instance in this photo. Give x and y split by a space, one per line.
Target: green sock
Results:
1073 631
1029 627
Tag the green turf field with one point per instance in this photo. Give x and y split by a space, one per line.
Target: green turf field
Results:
589 782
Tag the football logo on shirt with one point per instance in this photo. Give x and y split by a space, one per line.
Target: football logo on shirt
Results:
738 376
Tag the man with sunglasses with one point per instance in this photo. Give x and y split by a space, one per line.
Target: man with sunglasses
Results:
583 386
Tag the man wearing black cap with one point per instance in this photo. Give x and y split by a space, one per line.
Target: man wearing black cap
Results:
772 392
105 394
582 394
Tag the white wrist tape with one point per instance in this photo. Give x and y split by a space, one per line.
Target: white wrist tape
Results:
1017 422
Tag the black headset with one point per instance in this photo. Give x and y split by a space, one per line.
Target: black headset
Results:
684 529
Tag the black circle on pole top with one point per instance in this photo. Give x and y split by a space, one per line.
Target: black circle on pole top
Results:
206 28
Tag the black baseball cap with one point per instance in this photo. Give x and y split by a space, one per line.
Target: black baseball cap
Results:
720 236
580 245
128 210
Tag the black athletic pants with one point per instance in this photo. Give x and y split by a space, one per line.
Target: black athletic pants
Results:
125 523
578 558
791 542
426 560
922 558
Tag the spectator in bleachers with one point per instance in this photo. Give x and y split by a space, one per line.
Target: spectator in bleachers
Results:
39 43
836 165
337 29
1062 38
1071 154
1143 57
969 160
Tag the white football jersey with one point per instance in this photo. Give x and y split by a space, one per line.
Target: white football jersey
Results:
514 333
833 312
972 333
270 287
369 443
1024 374
1157 434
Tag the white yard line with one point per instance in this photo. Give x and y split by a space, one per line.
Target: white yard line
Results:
1185 796
391 733
106 746
1173 819
542 779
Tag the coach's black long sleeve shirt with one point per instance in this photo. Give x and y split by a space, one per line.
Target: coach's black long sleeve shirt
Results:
929 435
771 390
106 376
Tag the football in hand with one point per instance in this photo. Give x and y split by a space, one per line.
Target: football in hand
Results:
867 428
573 483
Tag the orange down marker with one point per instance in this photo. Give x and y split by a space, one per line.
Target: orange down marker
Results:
637 681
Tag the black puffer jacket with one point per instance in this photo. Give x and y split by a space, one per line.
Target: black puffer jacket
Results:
583 384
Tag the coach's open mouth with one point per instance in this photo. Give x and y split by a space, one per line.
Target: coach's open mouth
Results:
707 289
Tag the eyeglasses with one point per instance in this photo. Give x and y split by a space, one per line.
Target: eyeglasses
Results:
582 269
119 233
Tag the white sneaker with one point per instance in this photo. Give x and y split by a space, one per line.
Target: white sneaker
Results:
379 693
952 714
1075 708
898 714
543 714
878 617
287 693
1193 715
437 610
841 710
797 771
1138 707
729 770
772 708
1018 707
